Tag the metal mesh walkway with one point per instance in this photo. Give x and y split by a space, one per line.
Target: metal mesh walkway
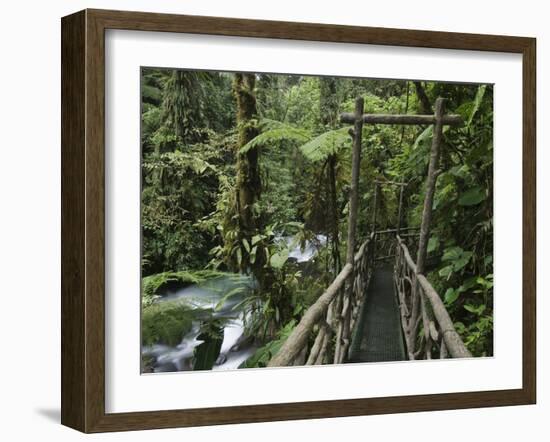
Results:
378 336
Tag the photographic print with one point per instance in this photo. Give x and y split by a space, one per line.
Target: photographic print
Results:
292 220
292 202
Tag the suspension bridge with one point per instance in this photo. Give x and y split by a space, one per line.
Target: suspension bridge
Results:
381 306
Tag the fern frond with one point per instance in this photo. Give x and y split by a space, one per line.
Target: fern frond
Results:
275 133
326 144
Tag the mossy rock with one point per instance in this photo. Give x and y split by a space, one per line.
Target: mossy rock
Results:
165 323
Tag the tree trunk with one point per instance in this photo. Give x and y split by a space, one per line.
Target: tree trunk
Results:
430 186
329 107
426 106
354 190
248 183
336 264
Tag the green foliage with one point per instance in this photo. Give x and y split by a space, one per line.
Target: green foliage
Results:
303 104
150 93
152 285
276 135
472 196
433 244
326 144
189 100
271 303
205 354
477 330
424 140
278 259
263 355
461 244
180 188
165 323
469 109
455 260
152 81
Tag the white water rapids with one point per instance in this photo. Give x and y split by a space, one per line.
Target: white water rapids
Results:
235 349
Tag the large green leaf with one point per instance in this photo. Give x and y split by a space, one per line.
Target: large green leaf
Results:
433 244
451 295
278 260
472 196
425 138
457 258
469 109
478 310
205 355
265 353
446 272
477 102
461 262
452 253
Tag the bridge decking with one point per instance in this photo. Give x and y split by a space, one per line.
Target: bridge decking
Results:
378 336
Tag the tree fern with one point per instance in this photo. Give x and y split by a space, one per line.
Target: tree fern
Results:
274 133
326 144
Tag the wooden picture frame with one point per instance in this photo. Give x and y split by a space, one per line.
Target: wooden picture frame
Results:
83 220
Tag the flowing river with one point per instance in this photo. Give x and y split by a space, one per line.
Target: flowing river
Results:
235 349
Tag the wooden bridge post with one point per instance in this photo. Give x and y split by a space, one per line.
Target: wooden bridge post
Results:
399 211
344 306
430 185
375 205
374 213
418 302
354 190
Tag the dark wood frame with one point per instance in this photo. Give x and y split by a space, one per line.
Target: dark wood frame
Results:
83 215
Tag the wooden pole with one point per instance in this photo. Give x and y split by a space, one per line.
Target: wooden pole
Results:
300 335
400 210
373 227
454 344
352 227
390 183
375 204
450 120
417 302
430 185
355 163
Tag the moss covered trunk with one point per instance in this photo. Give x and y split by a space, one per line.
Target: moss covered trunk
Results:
248 183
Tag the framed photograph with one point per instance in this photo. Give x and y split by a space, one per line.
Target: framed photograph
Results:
268 220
